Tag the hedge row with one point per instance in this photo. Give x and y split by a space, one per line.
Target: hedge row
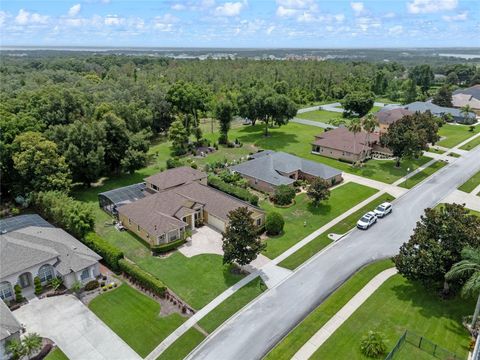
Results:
167 247
238 192
110 254
142 277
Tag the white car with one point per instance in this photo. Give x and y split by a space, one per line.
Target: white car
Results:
367 220
383 209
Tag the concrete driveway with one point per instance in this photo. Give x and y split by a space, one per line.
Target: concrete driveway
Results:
205 240
74 328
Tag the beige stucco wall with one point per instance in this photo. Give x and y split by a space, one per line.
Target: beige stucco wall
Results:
132 226
339 155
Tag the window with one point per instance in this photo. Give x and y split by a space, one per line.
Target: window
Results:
5 290
138 227
173 235
45 273
129 222
155 187
259 222
85 274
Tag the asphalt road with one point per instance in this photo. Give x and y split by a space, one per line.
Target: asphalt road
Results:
257 328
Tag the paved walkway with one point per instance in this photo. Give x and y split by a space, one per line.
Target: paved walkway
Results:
74 328
313 123
389 188
470 200
476 190
336 107
322 335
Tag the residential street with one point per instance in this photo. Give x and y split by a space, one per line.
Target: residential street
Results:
257 328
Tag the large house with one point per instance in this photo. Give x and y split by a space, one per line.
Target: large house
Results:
10 329
179 200
440 111
387 117
268 169
31 247
469 96
342 144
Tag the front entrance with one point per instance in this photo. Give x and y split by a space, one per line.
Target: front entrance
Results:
25 280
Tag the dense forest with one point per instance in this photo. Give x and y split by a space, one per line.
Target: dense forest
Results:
72 119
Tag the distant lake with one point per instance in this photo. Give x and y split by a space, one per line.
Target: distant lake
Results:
462 56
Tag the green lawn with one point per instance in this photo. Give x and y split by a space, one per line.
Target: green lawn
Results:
314 246
422 175
436 151
471 144
303 218
398 305
135 318
286 348
469 185
56 354
455 134
231 305
321 116
197 280
183 345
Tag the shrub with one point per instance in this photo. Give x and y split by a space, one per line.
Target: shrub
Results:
240 193
174 163
73 216
18 293
283 195
274 223
142 277
373 345
38 285
92 285
157 249
110 254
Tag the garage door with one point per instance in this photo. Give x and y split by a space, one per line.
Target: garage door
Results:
216 222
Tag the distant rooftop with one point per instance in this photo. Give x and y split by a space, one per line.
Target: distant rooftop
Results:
22 221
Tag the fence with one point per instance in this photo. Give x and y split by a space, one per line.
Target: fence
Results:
425 345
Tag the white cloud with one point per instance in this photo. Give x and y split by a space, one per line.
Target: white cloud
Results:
74 10
389 15
207 3
339 17
165 23
302 10
395 30
357 7
286 12
229 9
459 17
26 18
113 20
270 29
3 17
178 7
430 6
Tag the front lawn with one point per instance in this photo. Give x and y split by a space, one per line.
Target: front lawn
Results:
291 343
469 185
56 354
455 134
321 116
197 280
471 144
317 244
436 150
303 218
422 175
398 305
135 318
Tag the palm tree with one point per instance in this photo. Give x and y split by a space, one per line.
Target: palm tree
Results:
369 124
465 111
32 344
468 267
355 127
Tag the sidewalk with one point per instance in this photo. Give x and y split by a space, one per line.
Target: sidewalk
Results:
322 335
470 200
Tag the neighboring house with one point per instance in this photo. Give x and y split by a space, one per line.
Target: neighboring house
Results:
268 169
111 200
342 144
469 96
164 216
29 249
387 117
10 329
440 111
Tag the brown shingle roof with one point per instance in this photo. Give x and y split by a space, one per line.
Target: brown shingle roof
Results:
388 117
175 177
163 211
344 140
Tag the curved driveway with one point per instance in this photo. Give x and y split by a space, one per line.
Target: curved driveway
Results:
257 328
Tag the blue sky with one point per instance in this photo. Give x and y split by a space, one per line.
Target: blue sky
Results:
241 23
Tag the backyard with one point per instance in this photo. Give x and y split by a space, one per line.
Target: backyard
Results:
400 305
135 318
302 218
455 134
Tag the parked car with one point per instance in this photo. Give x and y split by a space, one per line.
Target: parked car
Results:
383 209
367 220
